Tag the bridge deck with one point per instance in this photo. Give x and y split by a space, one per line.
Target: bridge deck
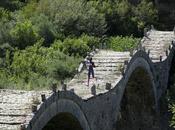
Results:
158 42
15 107
108 64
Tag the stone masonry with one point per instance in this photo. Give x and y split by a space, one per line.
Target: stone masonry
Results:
109 99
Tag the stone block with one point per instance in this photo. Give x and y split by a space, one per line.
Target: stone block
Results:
160 58
22 127
34 108
43 97
54 87
93 90
148 52
108 86
64 87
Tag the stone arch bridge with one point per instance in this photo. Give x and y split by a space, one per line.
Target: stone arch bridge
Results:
126 94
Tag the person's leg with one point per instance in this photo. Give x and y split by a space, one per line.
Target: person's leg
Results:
92 73
88 77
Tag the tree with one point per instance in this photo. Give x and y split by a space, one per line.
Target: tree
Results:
145 14
24 34
74 18
73 47
11 4
6 23
45 29
61 66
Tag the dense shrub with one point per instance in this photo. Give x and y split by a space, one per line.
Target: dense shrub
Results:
37 67
91 41
11 4
24 34
122 43
124 18
74 18
145 14
78 46
45 29
74 47
61 66
6 24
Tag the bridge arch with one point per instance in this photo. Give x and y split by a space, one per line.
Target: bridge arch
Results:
138 103
142 61
59 111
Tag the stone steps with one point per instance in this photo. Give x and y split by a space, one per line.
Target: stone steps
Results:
157 42
108 64
9 127
15 107
116 59
100 77
13 120
108 61
107 70
104 73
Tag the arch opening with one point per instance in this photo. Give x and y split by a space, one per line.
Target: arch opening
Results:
171 74
63 121
137 108
168 99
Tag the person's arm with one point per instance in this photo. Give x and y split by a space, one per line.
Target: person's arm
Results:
93 64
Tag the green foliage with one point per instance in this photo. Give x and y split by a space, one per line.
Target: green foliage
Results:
32 59
91 41
124 8
6 23
124 18
171 94
11 4
28 10
78 46
24 34
74 47
5 79
172 109
122 43
61 66
45 29
145 14
36 67
74 18
4 14
125 22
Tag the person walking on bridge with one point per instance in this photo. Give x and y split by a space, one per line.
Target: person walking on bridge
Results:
90 66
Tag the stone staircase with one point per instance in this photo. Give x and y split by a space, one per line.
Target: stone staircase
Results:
108 70
16 107
157 42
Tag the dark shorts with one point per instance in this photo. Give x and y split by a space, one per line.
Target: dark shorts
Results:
91 71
